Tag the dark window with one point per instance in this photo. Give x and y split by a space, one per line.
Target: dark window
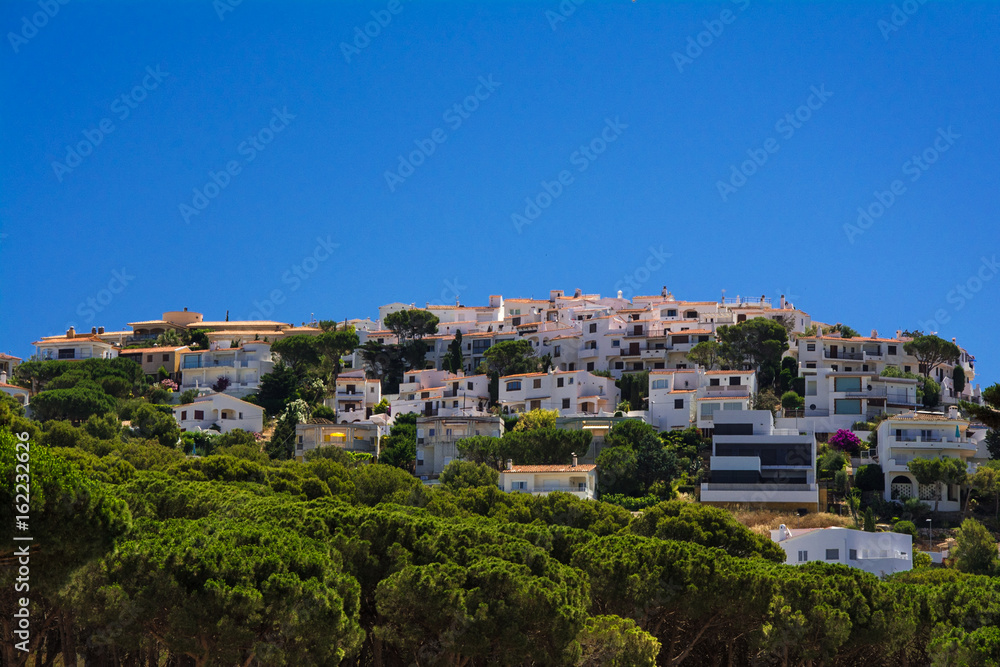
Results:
536 384
810 347
619 365
559 382
678 404
593 328
590 365
833 554
734 381
892 349
671 313
734 429
184 415
852 554
199 414
565 404
713 382
67 354
166 357
469 385
149 358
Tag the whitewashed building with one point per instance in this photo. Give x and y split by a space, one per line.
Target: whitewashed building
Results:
577 478
877 553
222 410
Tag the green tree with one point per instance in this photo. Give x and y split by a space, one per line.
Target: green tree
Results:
988 413
188 396
150 422
975 549
932 351
986 481
278 388
844 331
299 351
758 343
958 379
534 419
465 474
103 427
869 477
381 407
454 362
76 404
612 641
399 448
705 354
411 324
791 401
869 526
511 357
906 528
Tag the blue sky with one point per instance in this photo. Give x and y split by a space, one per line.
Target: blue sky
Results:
644 109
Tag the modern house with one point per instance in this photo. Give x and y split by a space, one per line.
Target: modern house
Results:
354 396
577 479
720 392
74 347
754 463
19 394
928 435
877 553
438 436
221 410
243 366
353 437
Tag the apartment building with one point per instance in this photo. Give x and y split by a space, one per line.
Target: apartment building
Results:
219 410
673 398
928 435
568 392
438 436
151 359
433 393
353 437
721 392
754 463
243 366
354 396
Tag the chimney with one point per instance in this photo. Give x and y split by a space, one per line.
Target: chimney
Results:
185 309
874 333
663 292
574 459
93 331
899 334
71 332
783 532
782 301
952 412
100 330
577 292
510 464
619 294
3 377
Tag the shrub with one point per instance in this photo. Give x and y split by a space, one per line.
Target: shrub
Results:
323 412
845 441
869 478
221 384
188 396
906 528
791 401
630 503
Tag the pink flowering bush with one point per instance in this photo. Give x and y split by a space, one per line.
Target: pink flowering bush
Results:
169 385
845 441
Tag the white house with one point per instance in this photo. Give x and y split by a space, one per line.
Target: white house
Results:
354 396
577 478
672 398
354 437
228 412
74 347
723 391
19 394
877 553
754 463
568 392
243 366
8 363
928 435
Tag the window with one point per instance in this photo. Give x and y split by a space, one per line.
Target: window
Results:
810 347
906 369
454 404
516 321
420 457
590 365
300 439
557 351
708 409
616 343
848 368
713 382
803 556
619 365
852 554
571 380
671 313
166 357
892 349
833 554
447 431
184 415
847 384
536 384
560 381
734 381
678 404
593 328
67 353
149 358
514 386
241 415
199 414
661 384
810 364
519 486
565 404
847 406
430 433
864 368
469 385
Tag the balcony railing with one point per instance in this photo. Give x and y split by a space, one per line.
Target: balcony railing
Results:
849 356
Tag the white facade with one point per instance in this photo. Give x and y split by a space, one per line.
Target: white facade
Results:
354 397
222 410
354 437
925 435
672 398
877 553
243 366
570 393
439 393
721 392
755 463
19 394
577 479
73 347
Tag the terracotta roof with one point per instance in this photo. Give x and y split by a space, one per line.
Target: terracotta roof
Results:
682 391
691 331
84 338
7 356
728 372
13 386
145 350
586 467
926 416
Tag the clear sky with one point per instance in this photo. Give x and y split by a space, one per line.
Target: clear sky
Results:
270 158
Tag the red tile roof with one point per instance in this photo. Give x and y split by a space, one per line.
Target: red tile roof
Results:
563 468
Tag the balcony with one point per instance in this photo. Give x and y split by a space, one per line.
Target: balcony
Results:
587 352
760 493
839 354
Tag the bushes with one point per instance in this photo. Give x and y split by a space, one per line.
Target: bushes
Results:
870 478
906 528
630 503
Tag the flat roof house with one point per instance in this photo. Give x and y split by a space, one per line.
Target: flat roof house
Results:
877 553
